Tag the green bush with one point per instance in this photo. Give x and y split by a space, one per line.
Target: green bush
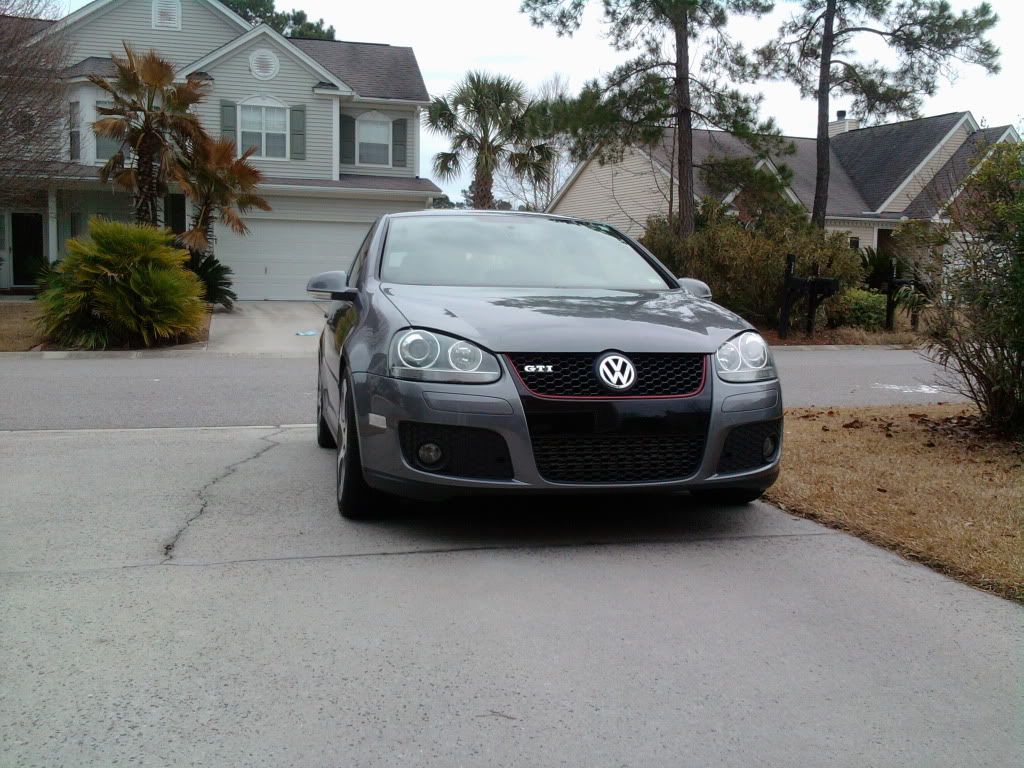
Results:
124 285
857 308
745 264
216 278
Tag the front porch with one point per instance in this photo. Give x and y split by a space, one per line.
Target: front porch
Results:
33 235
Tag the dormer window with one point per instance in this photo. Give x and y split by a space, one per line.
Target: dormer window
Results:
166 14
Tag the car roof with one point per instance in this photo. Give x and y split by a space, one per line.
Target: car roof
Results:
480 212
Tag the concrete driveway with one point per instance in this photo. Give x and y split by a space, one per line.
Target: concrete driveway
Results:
267 327
191 597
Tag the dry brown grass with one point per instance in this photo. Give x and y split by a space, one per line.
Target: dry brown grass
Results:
899 337
17 326
919 480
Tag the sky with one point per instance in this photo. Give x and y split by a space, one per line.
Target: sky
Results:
451 37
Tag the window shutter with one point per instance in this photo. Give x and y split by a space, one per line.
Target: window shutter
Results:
229 121
348 140
298 132
398 142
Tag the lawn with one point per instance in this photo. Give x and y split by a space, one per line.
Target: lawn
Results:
17 326
921 480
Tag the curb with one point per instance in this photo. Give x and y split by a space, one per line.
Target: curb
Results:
776 348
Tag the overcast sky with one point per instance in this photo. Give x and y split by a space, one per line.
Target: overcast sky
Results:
453 36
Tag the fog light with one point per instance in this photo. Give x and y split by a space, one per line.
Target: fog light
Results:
768 447
429 454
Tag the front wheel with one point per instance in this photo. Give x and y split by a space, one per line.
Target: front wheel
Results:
356 499
727 496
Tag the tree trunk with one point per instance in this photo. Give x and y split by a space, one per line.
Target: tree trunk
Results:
824 87
684 129
483 189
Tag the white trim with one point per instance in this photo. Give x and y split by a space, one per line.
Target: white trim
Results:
273 58
264 102
375 117
154 16
967 118
98 5
252 34
357 99
51 225
786 189
336 138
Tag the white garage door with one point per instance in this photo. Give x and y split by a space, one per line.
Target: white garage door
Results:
277 257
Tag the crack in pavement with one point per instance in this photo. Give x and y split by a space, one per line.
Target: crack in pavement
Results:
204 501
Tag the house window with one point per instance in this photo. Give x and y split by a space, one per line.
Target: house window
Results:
106 147
373 140
75 135
166 14
855 243
265 128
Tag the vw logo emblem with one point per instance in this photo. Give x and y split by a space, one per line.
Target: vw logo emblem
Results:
616 371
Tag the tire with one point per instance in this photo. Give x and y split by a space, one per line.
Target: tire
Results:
728 496
324 438
356 499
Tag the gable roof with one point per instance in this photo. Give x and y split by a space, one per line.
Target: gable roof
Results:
262 30
373 70
945 183
881 158
844 199
27 25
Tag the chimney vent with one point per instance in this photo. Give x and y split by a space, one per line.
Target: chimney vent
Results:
842 124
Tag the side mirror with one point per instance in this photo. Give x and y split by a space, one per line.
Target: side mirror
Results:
698 288
333 283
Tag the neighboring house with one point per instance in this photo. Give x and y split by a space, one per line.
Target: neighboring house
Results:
880 176
335 126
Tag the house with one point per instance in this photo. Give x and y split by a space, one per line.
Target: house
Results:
335 126
880 176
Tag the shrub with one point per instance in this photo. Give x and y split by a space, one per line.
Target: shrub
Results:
745 263
215 277
123 285
858 308
975 314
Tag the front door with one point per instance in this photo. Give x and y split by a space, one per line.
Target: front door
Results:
27 254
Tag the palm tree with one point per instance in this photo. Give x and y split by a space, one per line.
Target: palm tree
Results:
150 115
487 118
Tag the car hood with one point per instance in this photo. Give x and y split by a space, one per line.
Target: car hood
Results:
568 320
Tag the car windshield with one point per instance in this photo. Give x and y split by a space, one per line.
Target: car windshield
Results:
513 251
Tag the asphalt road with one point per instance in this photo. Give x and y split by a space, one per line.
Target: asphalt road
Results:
218 390
191 597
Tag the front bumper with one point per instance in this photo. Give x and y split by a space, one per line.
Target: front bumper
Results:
383 403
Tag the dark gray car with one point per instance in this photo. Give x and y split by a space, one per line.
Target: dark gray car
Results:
507 352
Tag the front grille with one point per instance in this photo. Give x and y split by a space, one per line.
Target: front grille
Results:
744 447
573 374
617 458
466 451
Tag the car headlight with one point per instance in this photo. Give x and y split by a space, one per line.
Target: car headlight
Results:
430 356
745 358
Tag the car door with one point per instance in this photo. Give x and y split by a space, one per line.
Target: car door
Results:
342 317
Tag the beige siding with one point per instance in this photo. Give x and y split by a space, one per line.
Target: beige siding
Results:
920 180
623 193
412 166
860 229
203 29
293 86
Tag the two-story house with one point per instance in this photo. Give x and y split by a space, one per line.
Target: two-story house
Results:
880 175
335 125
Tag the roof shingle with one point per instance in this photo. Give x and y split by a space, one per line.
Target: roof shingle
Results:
879 159
371 69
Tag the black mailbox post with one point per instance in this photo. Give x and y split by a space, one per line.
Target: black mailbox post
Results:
815 288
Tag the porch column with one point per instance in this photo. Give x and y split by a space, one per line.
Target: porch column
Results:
51 225
335 138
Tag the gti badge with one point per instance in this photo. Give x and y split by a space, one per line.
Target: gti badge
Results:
538 369
616 371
